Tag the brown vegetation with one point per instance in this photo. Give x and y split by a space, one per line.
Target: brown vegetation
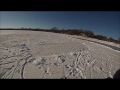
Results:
86 33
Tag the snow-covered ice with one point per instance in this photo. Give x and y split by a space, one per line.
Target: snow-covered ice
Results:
37 54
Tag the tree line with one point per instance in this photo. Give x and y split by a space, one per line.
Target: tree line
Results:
85 33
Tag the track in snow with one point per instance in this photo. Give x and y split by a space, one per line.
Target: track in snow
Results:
33 54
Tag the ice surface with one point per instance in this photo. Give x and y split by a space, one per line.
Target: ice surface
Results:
33 54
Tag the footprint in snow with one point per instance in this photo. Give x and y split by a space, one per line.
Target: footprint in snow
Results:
42 62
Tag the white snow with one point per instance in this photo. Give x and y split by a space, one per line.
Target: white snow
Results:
37 54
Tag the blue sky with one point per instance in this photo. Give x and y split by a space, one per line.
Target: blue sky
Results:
100 22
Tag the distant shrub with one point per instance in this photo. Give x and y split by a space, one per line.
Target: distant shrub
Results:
100 37
89 34
85 33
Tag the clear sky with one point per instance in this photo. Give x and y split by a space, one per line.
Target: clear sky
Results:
100 22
